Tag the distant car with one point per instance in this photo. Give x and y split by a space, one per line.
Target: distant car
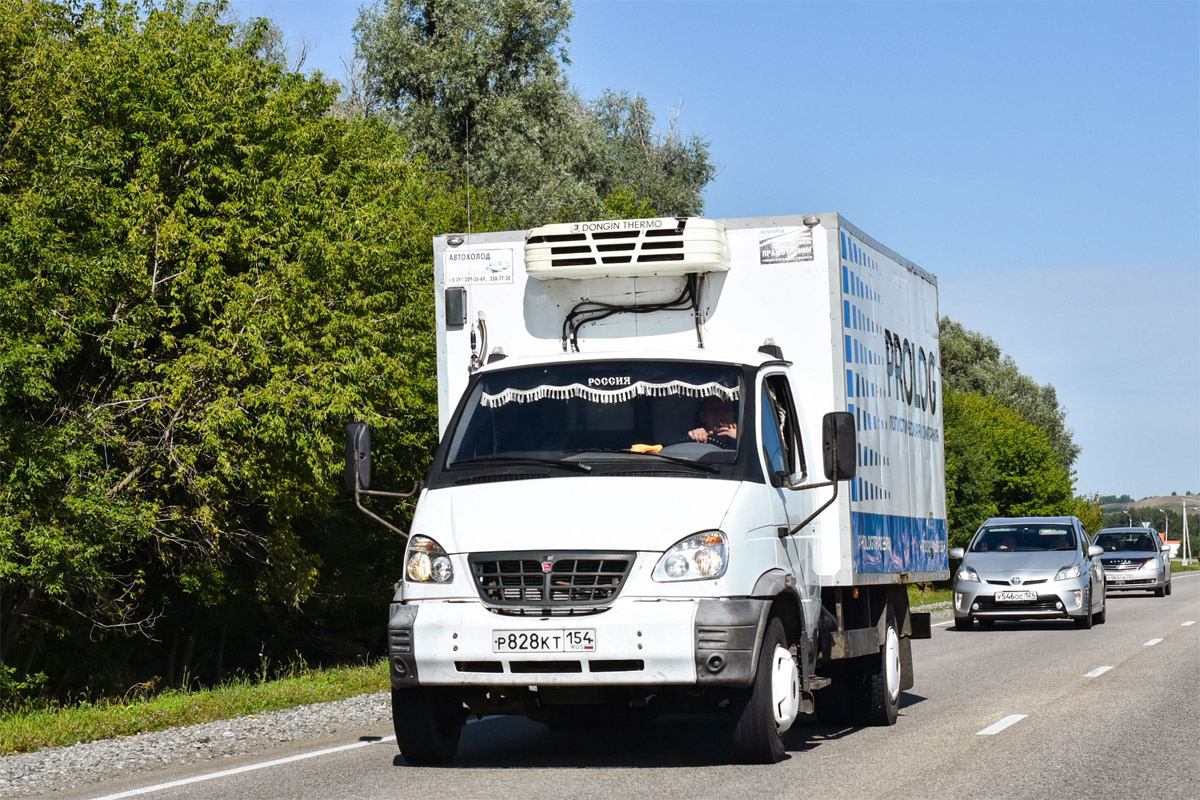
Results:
1029 568
1135 559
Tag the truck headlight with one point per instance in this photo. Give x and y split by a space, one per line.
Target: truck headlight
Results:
426 561
701 556
1068 572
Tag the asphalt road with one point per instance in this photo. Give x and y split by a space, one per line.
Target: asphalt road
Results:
1026 710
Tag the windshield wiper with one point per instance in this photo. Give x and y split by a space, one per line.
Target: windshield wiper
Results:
552 462
687 462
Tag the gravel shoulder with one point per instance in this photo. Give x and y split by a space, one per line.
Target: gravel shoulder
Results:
60 768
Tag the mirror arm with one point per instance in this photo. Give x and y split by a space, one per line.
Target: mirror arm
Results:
816 513
358 493
834 483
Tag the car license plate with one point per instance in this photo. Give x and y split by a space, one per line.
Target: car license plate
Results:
1117 580
1016 597
569 640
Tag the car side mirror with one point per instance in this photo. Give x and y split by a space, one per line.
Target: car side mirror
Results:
1095 550
358 456
840 446
956 552
1166 548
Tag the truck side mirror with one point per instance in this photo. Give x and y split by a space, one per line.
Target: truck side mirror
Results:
358 456
839 439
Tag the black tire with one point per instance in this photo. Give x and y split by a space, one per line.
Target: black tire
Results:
756 735
881 679
962 623
1160 591
428 723
1101 616
987 624
1168 587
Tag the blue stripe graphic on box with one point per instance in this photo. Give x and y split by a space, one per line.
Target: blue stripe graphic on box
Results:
888 543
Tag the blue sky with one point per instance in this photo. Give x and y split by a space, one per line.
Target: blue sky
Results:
1041 158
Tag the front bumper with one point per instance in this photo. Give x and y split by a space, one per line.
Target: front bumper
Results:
1128 580
635 642
1054 599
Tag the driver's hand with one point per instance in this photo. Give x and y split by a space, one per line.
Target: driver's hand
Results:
698 435
727 429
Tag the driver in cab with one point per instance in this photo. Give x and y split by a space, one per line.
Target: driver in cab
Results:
718 424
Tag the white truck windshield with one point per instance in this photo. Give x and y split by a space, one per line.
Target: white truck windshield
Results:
602 410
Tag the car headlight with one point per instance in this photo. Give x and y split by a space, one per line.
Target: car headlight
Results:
1151 563
426 561
699 557
1068 572
966 573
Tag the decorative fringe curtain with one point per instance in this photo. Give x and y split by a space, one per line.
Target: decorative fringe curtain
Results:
622 395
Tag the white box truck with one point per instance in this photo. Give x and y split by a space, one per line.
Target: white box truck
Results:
685 465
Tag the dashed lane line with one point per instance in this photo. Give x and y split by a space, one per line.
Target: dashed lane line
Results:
1097 672
1151 643
992 730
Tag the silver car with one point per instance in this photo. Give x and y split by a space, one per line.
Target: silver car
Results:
1135 559
1029 568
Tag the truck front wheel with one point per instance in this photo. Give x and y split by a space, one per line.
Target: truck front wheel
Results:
428 723
771 705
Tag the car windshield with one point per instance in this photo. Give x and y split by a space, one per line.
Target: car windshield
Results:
1023 538
1135 542
655 411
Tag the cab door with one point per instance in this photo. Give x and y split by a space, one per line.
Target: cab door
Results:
783 463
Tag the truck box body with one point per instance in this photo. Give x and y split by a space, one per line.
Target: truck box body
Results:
858 322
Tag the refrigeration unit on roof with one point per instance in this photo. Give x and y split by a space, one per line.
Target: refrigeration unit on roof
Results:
627 248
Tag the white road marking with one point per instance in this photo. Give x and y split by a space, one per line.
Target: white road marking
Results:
1152 642
1011 719
248 768
940 624
1097 672
1189 622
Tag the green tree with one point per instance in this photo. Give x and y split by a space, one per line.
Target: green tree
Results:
998 464
203 275
972 362
479 87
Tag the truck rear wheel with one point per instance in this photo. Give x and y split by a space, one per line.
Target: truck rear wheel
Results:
772 703
428 723
882 679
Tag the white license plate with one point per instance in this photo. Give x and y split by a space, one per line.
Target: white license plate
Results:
1016 597
1117 580
569 640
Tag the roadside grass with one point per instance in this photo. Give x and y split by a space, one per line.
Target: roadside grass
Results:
1193 565
30 729
923 594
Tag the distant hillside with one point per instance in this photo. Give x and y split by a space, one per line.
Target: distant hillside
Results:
1168 501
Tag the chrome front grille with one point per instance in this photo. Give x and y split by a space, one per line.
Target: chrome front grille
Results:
549 580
